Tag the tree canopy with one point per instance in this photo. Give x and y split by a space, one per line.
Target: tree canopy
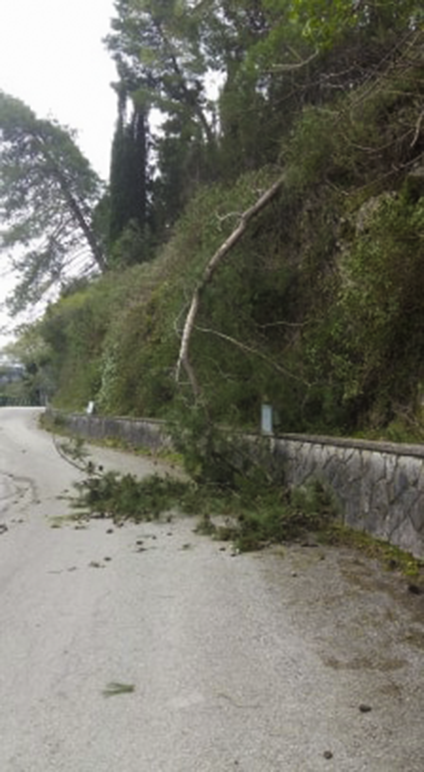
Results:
269 57
48 193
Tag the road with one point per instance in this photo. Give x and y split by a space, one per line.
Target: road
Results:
296 659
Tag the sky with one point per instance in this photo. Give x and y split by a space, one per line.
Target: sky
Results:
53 59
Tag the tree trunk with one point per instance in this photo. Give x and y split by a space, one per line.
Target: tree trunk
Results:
74 206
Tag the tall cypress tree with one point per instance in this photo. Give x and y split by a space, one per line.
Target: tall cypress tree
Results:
117 217
128 189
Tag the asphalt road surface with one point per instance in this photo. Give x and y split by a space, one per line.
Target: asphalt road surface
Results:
296 659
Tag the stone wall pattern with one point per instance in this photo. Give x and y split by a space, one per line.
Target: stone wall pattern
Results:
379 486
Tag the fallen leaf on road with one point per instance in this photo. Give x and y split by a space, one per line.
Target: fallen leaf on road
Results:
115 688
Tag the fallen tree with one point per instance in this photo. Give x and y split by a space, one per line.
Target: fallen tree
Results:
190 322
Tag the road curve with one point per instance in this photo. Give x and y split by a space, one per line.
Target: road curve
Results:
297 659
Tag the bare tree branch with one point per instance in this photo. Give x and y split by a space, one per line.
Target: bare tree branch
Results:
281 323
254 351
294 66
417 129
229 243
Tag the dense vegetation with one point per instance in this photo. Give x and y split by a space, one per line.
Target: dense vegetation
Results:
318 308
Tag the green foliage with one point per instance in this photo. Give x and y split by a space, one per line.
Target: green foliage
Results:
72 333
35 354
324 24
131 247
242 481
160 60
257 514
229 477
128 187
253 509
358 211
16 387
124 497
314 304
283 516
381 309
47 195
139 379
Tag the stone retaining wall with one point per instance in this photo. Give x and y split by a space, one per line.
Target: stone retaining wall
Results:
135 432
379 486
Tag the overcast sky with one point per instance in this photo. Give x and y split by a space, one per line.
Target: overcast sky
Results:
52 57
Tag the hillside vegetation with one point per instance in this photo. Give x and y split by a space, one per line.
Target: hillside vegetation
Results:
317 309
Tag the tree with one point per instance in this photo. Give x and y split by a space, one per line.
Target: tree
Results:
158 42
158 49
48 193
324 24
128 171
